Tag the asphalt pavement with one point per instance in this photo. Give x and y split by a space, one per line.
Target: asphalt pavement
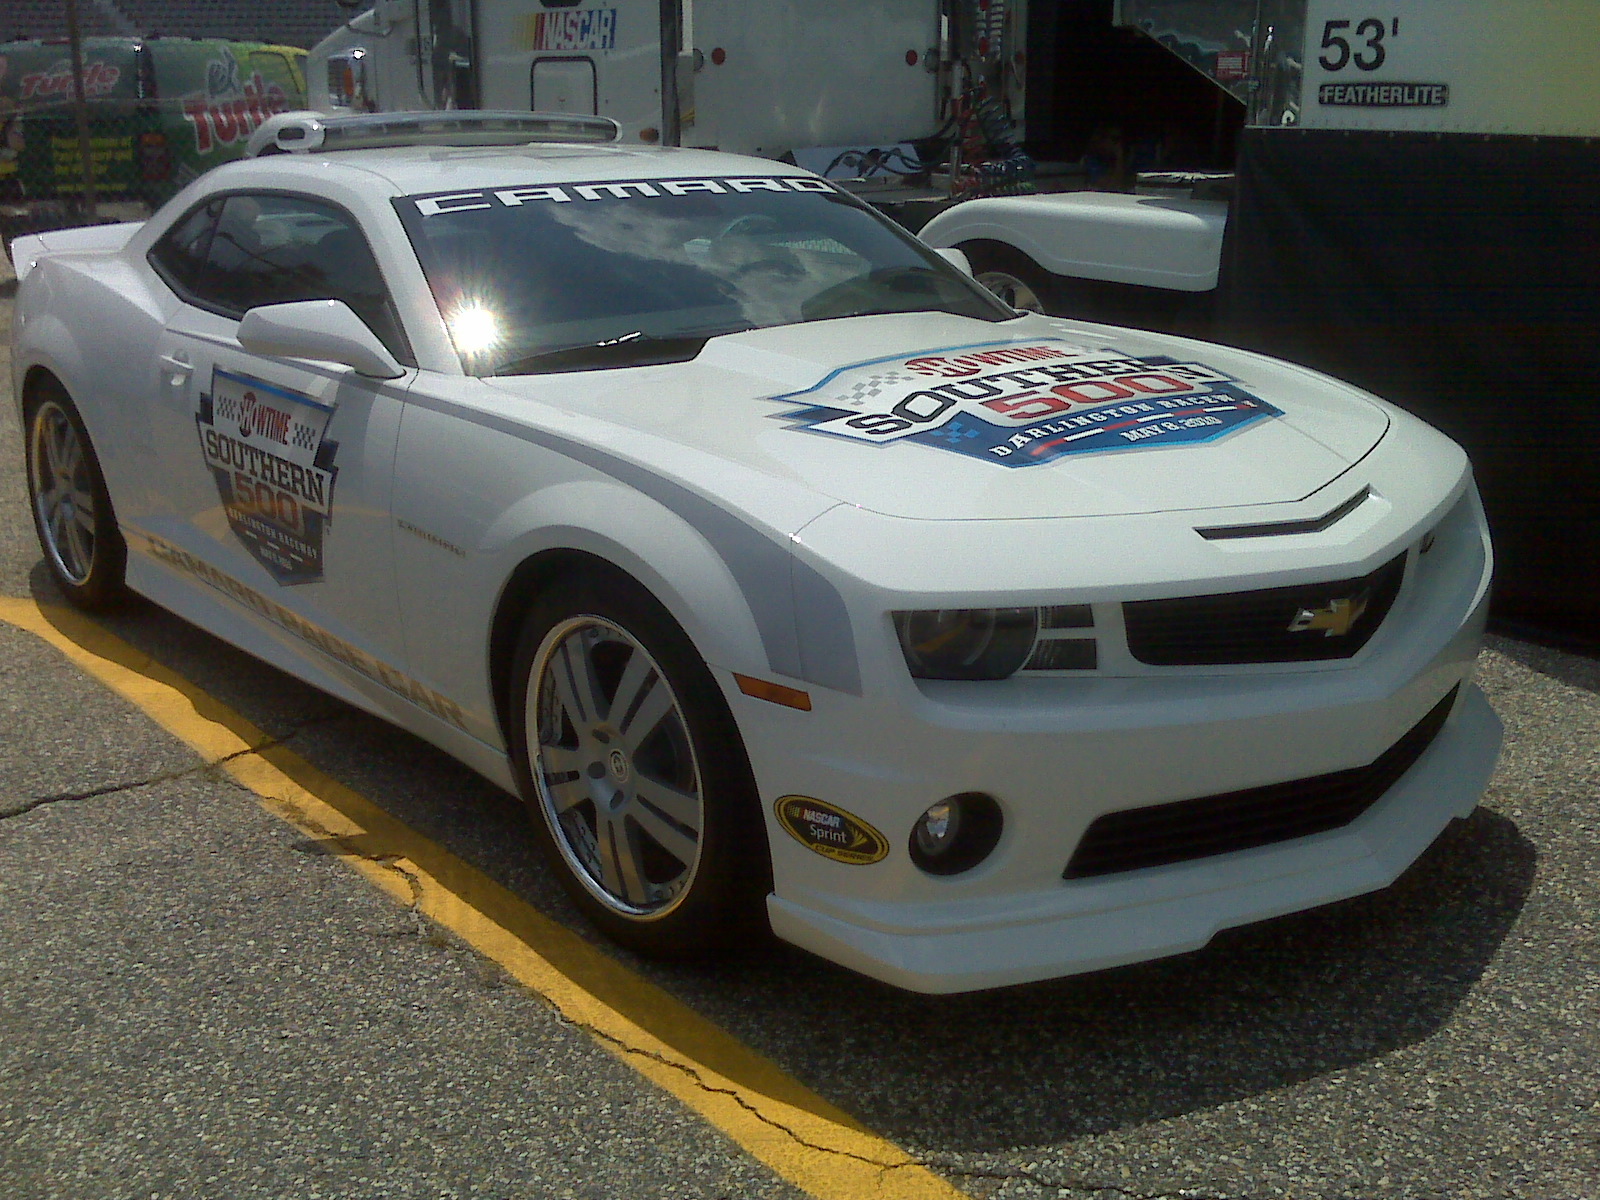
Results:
198 1001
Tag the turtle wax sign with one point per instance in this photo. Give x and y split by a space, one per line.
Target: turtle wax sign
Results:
1025 403
273 468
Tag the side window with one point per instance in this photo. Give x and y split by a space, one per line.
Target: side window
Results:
271 249
180 256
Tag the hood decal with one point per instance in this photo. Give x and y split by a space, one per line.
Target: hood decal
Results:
1025 403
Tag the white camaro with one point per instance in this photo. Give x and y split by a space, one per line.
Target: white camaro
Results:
791 577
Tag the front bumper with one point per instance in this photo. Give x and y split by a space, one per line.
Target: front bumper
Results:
1092 924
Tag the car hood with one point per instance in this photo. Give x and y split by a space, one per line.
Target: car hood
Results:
942 417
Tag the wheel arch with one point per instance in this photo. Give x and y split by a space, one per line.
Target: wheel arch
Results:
49 356
52 354
963 228
992 247
528 580
35 378
681 571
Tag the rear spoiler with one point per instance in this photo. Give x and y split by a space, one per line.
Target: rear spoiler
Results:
90 239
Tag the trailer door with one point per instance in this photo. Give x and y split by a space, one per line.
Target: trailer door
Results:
565 84
446 63
587 56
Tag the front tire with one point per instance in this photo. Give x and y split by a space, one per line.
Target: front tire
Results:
634 772
72 513
1011 275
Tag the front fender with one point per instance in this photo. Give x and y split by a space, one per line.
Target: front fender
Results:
477 496
656 546
1152 241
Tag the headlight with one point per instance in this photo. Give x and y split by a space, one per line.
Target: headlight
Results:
967 643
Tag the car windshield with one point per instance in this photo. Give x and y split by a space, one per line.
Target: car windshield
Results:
581 276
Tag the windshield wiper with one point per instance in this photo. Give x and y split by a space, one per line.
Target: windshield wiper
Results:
635 349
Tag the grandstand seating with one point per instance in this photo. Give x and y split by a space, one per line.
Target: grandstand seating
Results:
48 19
288 22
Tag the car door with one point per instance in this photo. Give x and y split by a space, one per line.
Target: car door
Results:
276 472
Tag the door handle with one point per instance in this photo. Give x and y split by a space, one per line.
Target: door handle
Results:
179 367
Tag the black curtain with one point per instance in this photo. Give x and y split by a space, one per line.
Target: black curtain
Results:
1458 276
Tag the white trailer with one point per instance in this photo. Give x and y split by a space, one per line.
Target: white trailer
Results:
763 78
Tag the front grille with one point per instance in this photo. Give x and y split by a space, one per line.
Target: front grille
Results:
1304 623
1189 829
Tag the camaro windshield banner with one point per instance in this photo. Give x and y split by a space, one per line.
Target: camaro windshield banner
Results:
273 469
1024 403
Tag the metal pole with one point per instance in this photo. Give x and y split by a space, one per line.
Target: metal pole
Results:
81 103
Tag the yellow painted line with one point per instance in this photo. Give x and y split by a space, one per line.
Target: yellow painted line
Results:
772 1115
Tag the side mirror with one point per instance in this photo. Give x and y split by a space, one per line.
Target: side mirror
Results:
956 259
322 330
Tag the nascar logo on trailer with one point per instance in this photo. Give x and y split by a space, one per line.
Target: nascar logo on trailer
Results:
1025 403
578 29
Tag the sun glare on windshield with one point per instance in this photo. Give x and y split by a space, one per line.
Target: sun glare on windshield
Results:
474 329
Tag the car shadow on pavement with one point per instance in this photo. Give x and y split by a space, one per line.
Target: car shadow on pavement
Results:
1259 1009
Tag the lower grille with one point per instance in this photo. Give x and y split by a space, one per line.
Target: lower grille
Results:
1189 829
1304 623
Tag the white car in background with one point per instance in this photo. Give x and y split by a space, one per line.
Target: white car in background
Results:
790 576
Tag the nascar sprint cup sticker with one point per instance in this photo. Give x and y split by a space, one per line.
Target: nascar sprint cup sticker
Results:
274 470
1024 403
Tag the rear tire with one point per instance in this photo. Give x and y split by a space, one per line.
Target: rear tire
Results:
72 512
634 773
1011 275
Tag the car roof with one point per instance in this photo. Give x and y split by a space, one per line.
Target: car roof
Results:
415 170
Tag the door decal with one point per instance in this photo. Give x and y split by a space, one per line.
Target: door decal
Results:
274 470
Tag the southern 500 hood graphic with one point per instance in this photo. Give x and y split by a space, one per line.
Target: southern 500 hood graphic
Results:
1023 403
273 468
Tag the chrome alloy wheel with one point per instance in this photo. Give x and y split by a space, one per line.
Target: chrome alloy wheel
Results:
63 491
1016 292
614 767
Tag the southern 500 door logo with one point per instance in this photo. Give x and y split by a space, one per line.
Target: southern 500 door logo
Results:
1023 403
273 468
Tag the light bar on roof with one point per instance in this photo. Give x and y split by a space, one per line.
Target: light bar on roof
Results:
305 132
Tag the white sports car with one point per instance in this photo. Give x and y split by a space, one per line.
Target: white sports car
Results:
791 577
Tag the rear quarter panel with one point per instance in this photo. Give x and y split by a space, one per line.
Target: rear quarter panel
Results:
92 321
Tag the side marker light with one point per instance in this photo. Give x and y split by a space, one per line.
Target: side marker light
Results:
776 693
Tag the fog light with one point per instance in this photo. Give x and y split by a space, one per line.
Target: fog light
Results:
937 830
956 834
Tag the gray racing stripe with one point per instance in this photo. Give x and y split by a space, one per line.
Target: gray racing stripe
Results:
804 626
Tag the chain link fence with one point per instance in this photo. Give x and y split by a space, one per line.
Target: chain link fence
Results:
106 128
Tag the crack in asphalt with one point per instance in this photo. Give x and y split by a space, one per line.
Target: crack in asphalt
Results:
701 1083
913 1161
202 768
345 847
112 789
1069 1185
420 926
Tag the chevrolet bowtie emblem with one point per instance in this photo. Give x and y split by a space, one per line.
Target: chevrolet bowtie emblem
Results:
1334 620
